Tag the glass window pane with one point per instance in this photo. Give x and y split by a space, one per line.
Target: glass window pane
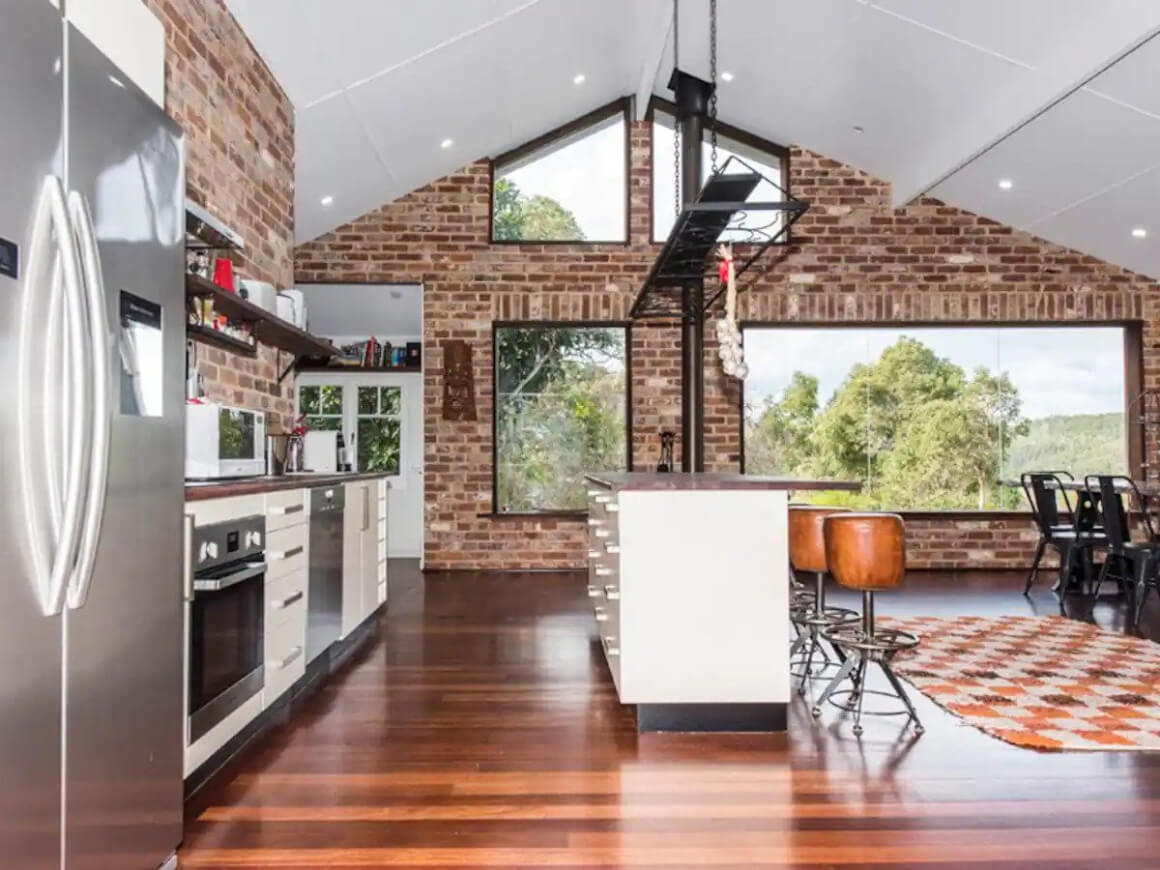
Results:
368 400
570 190
308 398
323 424
560 412
391 400
378 444
330 401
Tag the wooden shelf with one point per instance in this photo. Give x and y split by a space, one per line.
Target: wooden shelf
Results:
397 370
268 329
219 339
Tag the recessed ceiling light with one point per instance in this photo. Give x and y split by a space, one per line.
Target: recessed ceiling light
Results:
1140 233
327 200
1005 184
579 79
859 129
446 143
726 76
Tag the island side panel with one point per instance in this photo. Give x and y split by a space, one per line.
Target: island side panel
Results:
703 604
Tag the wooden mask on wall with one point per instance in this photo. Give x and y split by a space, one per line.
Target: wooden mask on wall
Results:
458 381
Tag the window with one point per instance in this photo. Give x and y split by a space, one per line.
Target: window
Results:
561 410
767 159
568 186
364 408
377 434
932 418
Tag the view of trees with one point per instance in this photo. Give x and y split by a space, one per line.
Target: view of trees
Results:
921 433
517 216
560 411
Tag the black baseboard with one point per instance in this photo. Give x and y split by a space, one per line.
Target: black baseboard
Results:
328 663
712 717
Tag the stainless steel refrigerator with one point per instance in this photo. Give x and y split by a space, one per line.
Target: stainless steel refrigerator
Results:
91 351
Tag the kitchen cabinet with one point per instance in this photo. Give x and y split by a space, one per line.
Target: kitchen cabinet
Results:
287 558
362 530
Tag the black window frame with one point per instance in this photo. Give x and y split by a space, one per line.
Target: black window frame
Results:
1133 362
725 130
496 326
621 106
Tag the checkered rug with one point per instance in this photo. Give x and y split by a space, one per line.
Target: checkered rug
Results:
1049 683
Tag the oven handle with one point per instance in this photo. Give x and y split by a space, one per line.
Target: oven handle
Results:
217 584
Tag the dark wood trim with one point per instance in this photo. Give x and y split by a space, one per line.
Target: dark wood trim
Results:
712 718
1134 435
621 106
497 325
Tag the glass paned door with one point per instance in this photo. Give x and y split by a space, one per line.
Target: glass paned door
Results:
377 433
323 406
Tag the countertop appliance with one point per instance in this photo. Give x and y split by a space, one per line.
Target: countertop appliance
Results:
92 325
226 593
260 293
221 441
324 592
320 451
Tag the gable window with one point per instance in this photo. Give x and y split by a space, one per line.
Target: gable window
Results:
768 159
568 186
932 418
561 409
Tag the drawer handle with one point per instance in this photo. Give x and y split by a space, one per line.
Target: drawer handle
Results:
592 493
592 521
289 660
601 616
593 591
611 548
603 572
610 647
612 593
286 602
593 554
602 533
612 508
287 509
603 499
286 554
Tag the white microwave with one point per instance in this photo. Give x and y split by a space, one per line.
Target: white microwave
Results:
221 441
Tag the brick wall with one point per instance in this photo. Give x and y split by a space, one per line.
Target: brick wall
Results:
239 148
858 260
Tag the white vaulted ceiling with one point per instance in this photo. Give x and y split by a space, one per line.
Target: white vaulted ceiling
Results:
1059 96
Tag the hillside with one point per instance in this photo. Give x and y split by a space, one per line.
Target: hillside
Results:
1079 443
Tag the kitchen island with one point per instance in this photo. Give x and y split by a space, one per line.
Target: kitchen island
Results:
688 575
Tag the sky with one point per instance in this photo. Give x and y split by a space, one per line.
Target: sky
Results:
1062 370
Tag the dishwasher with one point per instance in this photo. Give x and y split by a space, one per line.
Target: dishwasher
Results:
324 602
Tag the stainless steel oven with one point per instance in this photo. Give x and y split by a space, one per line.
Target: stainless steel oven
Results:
226 620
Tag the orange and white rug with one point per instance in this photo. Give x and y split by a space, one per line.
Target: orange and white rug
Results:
1049 683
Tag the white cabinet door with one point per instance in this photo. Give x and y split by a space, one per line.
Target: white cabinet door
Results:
370 548
352 559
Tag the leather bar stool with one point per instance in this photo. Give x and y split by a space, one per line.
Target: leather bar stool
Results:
866 552
809 613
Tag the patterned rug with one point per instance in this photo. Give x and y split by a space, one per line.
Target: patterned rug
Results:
1049 683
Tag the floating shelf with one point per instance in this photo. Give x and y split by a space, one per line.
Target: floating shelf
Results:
268 329
397 370
219 339
203 230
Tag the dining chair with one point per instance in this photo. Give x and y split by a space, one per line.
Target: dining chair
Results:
1071 538
1138 562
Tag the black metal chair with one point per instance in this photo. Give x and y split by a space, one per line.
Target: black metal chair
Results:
1136 562
1074 539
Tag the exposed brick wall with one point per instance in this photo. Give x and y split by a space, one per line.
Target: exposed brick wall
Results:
857 260
239 149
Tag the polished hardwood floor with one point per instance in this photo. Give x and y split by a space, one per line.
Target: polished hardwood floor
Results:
480 729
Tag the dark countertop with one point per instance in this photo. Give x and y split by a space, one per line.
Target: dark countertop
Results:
254 485
712 481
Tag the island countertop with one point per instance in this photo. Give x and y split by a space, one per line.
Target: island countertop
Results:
712 480
198 491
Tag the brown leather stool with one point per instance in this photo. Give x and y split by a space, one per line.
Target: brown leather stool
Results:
809 613
866 551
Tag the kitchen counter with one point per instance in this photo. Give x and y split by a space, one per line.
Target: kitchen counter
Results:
653 480
195 491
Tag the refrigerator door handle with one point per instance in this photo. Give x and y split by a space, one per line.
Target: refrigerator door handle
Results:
62 461
101 426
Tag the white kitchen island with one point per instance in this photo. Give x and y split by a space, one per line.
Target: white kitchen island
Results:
688 576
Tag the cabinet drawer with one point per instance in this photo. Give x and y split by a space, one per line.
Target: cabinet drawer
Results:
285 647
285 508
283 596
285 551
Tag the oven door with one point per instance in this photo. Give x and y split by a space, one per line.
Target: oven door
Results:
226 646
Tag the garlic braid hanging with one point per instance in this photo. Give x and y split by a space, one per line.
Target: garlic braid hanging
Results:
728 335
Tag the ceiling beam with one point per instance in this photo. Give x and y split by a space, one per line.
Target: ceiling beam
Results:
655 27
1074 64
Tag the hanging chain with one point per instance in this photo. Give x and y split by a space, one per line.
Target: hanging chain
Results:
676 126
713 82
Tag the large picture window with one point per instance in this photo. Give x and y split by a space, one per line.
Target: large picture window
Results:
933 418
561 409
767 159
568 186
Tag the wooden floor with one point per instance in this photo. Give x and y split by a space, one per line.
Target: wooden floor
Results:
481 730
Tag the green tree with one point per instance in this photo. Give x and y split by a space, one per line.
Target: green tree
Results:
780 440
516 216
